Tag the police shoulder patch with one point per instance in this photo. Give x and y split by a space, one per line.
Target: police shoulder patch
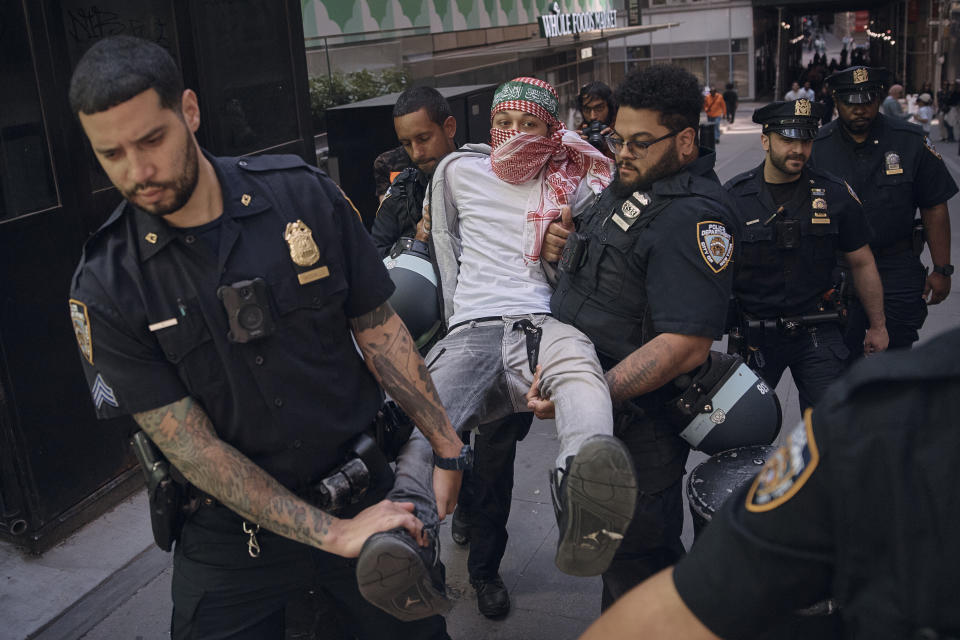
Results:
787 470
853 194
930 148
81 328
716 244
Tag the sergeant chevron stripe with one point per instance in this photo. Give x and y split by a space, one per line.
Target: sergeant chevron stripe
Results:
103 393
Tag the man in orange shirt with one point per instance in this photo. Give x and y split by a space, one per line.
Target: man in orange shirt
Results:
716 110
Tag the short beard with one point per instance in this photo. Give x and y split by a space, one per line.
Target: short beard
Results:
668 166
780 162
182 186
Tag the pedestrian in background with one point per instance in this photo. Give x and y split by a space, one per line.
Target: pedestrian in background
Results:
826 100
716 109
795 92
891 104
730 98
924 114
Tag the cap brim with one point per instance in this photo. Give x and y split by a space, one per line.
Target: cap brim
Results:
857 97
796 133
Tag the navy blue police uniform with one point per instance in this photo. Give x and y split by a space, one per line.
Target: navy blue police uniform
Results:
894 171
858 505
152 331
654 262
486 494
400 210
787 261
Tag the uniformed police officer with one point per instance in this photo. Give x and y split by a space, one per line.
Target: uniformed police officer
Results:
794 220
894 169
858 505
219 305
647 277
426 129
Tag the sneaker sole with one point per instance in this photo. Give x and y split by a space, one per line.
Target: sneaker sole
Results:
392 577
601 494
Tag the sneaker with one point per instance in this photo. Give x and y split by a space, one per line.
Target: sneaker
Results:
493 601
399 576
594 502
459 529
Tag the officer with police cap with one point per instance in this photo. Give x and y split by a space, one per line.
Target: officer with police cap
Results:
794 220
895 170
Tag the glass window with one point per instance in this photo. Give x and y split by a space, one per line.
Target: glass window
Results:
739 45
719 72
641 52
696 66
26 175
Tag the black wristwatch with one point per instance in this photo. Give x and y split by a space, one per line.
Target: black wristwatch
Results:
945 270
461 463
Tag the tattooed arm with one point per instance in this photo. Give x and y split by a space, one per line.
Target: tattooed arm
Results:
184 433
655 364
391 355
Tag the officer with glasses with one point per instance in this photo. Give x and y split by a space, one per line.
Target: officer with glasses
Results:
646 273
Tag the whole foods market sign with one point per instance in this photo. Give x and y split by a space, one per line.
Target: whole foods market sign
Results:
555 24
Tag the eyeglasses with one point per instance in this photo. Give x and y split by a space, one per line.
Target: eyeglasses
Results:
636 148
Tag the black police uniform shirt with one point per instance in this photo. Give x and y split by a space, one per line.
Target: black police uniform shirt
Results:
859 505
400 211
894 171
660 267
824 216
152 330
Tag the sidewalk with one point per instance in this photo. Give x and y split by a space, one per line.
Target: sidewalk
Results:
109 582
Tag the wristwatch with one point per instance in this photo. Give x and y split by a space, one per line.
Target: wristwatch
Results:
945 270
461 463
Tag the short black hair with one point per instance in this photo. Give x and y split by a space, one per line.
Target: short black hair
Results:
118 68
598 90
416 98
668 89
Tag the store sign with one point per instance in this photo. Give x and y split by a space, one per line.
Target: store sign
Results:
555 24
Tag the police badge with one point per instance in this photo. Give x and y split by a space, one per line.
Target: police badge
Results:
802 108
860 75
891 160
303 250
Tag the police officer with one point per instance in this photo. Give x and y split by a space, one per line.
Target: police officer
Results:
426 129
647 277
894 169
219 305
858 505
794 220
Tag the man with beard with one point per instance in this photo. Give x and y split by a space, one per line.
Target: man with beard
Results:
647 276
222 305
794 220
489 209
426 128
894 168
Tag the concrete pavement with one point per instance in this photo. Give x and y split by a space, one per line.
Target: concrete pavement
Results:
107 581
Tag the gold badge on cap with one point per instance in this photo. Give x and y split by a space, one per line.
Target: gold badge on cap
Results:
303 250
891 160
860 75
802 108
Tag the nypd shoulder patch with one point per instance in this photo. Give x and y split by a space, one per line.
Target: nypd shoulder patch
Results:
931 148
81 328
103 393
787 470
716 244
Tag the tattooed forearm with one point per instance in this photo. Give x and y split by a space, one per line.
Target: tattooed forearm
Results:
656 363
376 318
184 433
393 358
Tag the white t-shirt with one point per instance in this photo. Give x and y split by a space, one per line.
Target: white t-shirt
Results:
494 280
794 95
925 113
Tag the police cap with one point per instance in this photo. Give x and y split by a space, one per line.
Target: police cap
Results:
859 85
797 119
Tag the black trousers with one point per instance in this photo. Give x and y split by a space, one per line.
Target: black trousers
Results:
816 356
903 277
220 591
488 490
652 541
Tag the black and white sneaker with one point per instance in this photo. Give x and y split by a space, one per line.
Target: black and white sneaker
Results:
594 499
399 576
